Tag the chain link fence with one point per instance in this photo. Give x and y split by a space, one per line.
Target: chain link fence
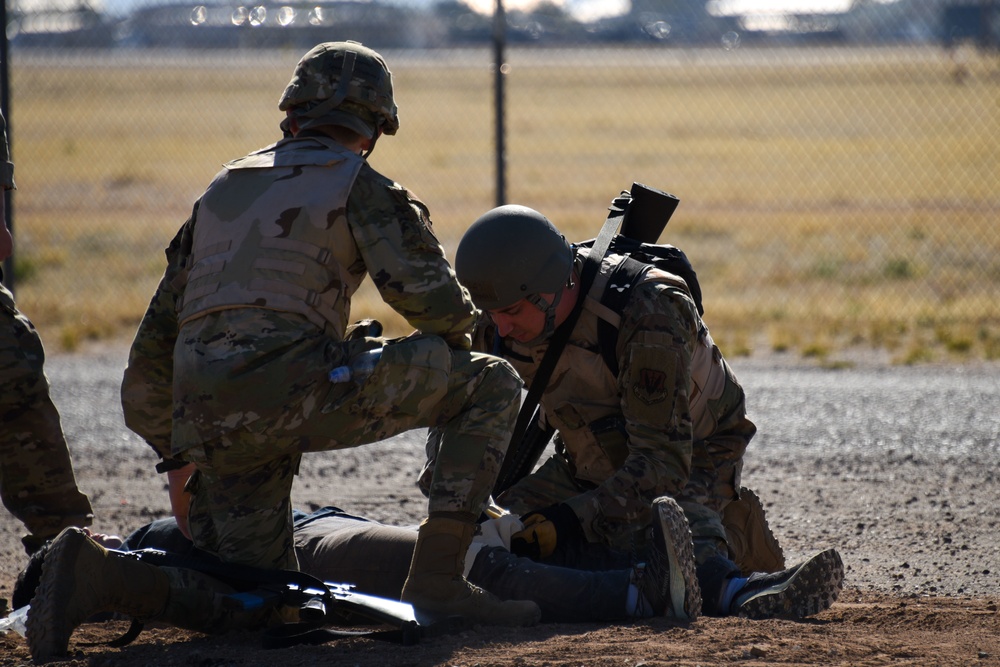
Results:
837 171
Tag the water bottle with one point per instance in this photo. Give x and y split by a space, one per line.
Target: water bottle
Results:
358 368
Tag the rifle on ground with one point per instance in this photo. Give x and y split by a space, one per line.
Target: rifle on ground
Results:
320 604
644 213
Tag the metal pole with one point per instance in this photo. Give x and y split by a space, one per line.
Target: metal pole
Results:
499 72
8 265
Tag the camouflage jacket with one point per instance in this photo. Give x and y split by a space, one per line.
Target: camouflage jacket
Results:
383 231
629 438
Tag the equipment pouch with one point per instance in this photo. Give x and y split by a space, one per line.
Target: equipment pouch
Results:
612 437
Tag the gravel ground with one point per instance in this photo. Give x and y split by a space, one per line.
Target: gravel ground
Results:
897 467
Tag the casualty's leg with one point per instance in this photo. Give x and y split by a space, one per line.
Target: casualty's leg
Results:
436 579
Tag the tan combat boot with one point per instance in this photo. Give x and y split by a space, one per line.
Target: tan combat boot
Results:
79 579
435 582
752 545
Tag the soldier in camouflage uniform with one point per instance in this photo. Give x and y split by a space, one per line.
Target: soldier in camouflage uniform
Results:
672 422
228 372
37 483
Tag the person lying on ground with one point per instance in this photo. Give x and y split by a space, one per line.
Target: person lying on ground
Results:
338 547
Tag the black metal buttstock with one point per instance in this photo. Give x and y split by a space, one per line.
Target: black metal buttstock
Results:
648 213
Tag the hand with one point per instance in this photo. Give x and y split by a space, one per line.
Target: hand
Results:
106 541
544 531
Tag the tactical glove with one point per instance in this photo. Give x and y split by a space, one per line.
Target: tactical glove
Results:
544 531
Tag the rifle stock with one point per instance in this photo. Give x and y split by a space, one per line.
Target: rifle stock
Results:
647 213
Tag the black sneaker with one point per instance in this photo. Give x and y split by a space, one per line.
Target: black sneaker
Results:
800 591
668 580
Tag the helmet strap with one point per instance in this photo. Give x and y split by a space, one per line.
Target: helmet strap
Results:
371 146
550 315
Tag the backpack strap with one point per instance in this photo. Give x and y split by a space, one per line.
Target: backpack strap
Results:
623 278
626 276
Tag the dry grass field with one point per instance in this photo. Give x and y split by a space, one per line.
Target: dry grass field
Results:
831 201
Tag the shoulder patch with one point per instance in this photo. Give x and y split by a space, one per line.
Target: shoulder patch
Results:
651 386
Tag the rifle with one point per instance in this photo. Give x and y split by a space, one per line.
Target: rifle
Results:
647 213
644 214
319 603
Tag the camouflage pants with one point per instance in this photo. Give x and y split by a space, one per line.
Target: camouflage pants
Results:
37 483
241 507
713 484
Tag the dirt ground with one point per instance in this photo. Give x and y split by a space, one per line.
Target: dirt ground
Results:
897 468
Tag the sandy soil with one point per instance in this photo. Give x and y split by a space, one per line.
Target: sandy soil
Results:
896 467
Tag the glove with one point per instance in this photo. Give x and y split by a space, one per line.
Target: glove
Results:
544 531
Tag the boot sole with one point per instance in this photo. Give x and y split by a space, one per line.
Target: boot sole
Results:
685 592
813 588
47 629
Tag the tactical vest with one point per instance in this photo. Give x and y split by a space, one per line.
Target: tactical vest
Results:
582 400
272 233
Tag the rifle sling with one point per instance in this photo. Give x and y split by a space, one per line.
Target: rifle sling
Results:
134 630
561 335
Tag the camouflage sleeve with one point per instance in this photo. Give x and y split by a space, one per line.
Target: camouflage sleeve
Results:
147 385
6 166
657 336
406 261
484 337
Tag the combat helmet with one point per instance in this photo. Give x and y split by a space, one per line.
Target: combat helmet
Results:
511 253
342 83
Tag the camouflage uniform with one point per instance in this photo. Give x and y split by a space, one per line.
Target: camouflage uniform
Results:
252 313
37 483
673 422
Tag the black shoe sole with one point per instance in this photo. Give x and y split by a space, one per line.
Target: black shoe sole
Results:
813 588
673 528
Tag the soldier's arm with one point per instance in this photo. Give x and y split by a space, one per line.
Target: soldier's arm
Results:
406 261
656 339
147 384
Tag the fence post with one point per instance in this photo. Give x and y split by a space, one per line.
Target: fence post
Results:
8 264
499 38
